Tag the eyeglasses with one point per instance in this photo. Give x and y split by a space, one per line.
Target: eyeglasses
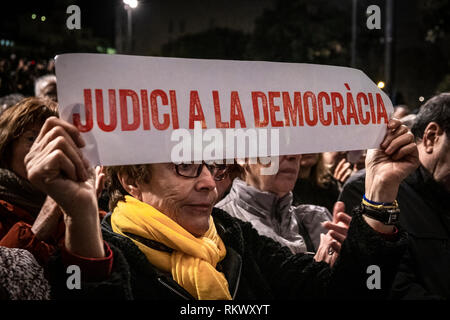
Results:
192 170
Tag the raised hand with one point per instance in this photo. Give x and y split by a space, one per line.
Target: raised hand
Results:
387 166
55 165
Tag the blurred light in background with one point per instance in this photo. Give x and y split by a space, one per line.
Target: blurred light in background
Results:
33 16
6 43
132 3
421 98
43 18
380 84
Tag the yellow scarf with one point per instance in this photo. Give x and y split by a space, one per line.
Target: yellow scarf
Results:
193 260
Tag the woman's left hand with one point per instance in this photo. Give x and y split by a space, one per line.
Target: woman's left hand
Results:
328 250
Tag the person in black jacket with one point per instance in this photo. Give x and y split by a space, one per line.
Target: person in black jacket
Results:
169 243
315 184
424 194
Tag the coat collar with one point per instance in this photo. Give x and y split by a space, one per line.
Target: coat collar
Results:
430 214
261 203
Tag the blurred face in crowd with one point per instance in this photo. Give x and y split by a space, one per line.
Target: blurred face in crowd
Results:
187 201
434 154
309 160
20 147
331 159
280 183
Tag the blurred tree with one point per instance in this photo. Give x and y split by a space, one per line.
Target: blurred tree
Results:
303 31
444 85
216 43
436 33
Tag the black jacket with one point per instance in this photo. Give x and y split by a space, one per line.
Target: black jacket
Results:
256 267
306 192
425 216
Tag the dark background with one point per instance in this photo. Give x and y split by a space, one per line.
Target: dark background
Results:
303 31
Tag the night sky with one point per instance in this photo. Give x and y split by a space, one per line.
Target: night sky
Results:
420 52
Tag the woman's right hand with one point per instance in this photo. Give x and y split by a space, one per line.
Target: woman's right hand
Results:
56 166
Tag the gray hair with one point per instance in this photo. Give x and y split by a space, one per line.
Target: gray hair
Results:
42 84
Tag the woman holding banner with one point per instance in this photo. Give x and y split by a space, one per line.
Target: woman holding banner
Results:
170 243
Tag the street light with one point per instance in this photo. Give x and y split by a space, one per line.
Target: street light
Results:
131 3
129 6
353 44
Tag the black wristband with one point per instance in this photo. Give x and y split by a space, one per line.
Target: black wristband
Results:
388 216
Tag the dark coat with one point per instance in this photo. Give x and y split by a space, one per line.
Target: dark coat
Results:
255 266
425 215
306 192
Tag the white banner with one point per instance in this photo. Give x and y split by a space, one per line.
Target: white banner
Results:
133 109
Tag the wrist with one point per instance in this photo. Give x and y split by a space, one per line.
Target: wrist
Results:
83 234
379 226
80 210
381 191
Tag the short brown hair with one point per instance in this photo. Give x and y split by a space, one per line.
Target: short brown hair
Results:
16 119
140 173
235 170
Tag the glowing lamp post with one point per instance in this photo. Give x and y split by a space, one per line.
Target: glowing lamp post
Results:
129 6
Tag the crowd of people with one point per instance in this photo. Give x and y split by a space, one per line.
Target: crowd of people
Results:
18 74
213 231
22 77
